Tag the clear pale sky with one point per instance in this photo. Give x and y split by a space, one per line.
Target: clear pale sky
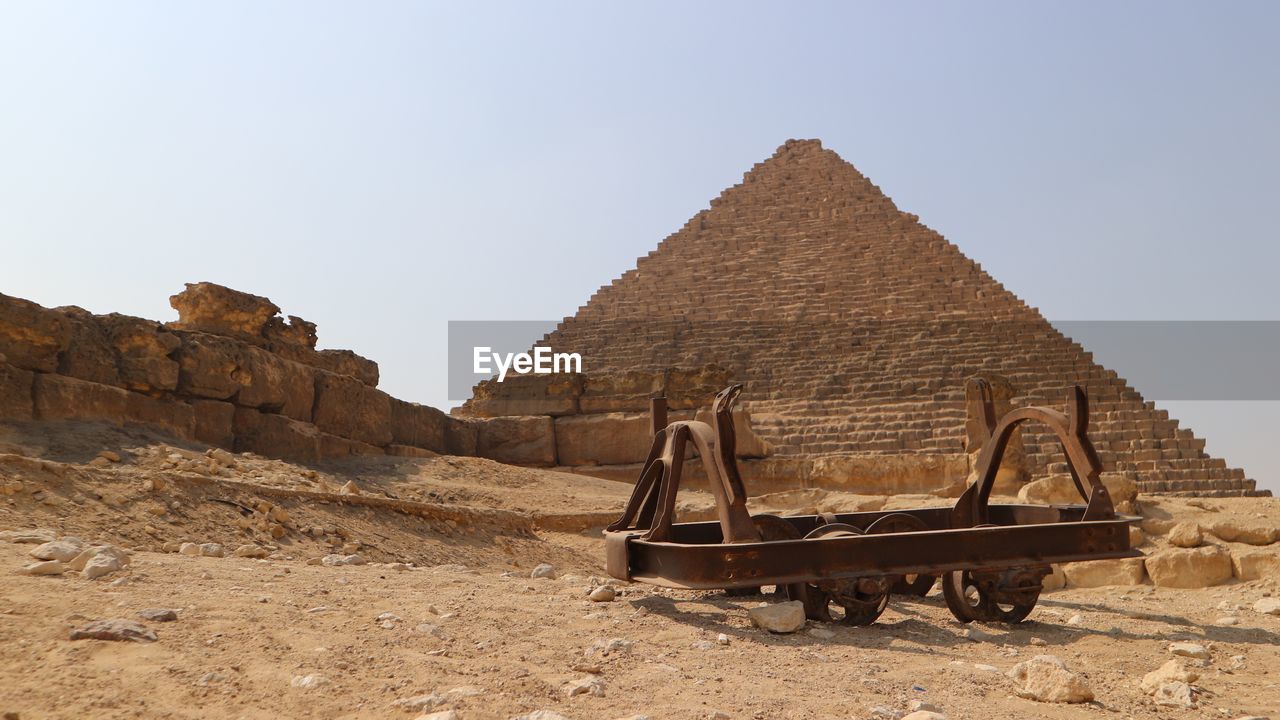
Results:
382 168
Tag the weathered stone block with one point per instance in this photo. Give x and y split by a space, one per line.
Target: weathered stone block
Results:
16 393
31 336
339 362
89 354
417 425
275 436
518 395
272 384
695 388
144 352
348 408
1101 573
296 331
64 398
1251 532
1254 564
619 392
1190 568
214 422
460 436
211 308
166 414
517 440
209 366
603 439
1051 490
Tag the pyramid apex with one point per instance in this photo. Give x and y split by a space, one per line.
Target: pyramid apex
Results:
798 146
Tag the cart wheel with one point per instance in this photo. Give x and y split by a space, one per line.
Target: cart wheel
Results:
1007 597
771 528
862 599
918 585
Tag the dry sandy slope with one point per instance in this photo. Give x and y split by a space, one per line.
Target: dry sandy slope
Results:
247 628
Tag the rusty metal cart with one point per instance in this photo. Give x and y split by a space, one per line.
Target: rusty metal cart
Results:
843 566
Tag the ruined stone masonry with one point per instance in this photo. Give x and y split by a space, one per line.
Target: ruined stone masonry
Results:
853 327
229 373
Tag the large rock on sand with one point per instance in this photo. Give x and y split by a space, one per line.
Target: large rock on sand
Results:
1190 567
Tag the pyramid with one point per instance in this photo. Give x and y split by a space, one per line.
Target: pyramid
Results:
854 327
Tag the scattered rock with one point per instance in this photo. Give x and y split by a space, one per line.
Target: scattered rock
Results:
188 548
115 629
308 682
63 550
722 639
212 550
1244 531
586 686
419 702
1172 671
544 570
388 621
1191 650
609 647
604 593
1046 678
158 614
881 712
541 715
349 488
1176 694
29 537
1267 606
442 715
924 715
250 551
1186 535
46 567
101 564
821 633
977 635
335 560
784 617
922 706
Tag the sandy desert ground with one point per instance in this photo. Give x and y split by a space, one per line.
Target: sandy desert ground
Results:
443 619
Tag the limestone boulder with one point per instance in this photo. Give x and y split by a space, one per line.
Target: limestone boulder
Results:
89 354
1189 568
784 617
348 408
209 365
1102 573
1248 531
418 426
1185 535
144 352
63 398
1050 490
602 439
214 422
275 436
1172 671
1046 678
273 384
16 385
211 308
620 392
1248 563
1122 486
31 336
517 440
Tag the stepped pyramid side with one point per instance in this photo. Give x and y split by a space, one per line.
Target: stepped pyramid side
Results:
854 326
